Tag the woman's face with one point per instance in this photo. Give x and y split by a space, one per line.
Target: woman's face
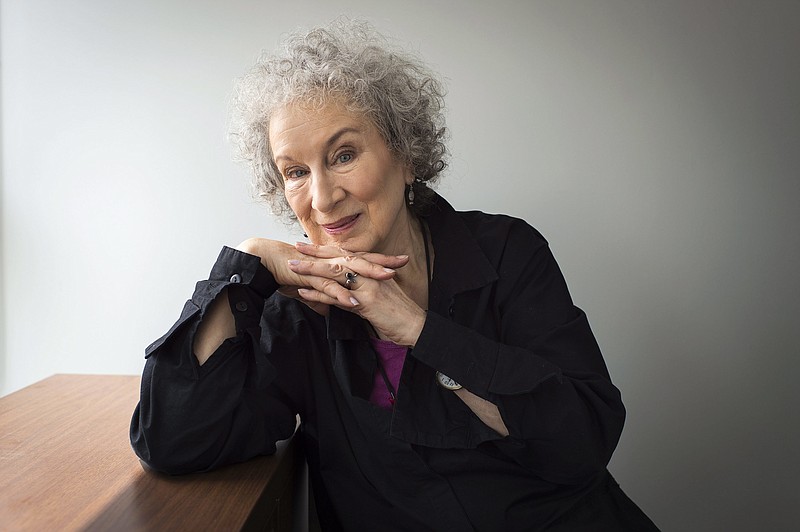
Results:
342 182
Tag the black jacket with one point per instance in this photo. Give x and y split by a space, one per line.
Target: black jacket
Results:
500 322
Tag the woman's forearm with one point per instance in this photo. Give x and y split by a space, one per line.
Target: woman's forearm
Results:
217 326
485 410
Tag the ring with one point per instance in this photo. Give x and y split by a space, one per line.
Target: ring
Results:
350 279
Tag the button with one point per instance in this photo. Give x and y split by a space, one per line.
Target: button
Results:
451 311
241 306
236 278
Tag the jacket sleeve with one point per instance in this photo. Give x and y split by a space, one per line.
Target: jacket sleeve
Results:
533 354
196 418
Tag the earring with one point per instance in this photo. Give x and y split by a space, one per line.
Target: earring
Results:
410 195
305 235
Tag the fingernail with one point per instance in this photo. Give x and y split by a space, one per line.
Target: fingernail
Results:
402 257
294 262
354 301
302 291
388 270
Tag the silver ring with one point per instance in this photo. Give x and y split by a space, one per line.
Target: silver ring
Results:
350 279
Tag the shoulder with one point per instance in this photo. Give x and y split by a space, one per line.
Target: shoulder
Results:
504 243
491 227
521 257
502 237
483 227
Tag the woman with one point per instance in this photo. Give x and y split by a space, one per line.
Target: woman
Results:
443 378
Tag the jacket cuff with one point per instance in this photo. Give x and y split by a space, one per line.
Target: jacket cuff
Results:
237 267
481 365
249 281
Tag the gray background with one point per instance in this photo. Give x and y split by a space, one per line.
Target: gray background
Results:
655 144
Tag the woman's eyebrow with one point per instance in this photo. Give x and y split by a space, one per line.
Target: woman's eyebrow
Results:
336 136
331 140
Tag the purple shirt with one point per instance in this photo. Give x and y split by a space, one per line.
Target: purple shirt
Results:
392 357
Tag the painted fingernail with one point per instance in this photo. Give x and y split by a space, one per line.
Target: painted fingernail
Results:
354 301
294 262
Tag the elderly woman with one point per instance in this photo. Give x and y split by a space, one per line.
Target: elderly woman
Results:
443 378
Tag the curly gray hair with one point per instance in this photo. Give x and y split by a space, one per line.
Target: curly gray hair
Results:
350 61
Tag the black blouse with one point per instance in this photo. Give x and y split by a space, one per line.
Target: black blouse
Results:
500 322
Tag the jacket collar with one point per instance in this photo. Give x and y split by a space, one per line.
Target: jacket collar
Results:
460 265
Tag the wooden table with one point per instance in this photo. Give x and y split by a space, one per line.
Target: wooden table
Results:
66 464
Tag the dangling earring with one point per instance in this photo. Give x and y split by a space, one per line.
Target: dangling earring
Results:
410 195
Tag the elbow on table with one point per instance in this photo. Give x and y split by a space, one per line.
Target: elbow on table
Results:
169 457
161 459
173 461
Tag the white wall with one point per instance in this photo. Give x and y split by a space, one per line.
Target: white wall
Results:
654 143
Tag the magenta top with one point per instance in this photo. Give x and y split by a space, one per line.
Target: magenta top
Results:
392 357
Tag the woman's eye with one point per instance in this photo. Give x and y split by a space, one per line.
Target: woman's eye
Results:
295 173
344 158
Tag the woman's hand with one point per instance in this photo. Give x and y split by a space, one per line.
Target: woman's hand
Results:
378 298
279 258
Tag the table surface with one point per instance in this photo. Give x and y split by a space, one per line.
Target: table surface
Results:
66 464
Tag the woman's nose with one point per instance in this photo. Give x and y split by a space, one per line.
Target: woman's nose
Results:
325 192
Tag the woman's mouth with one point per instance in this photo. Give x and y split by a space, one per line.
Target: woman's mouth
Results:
341 225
